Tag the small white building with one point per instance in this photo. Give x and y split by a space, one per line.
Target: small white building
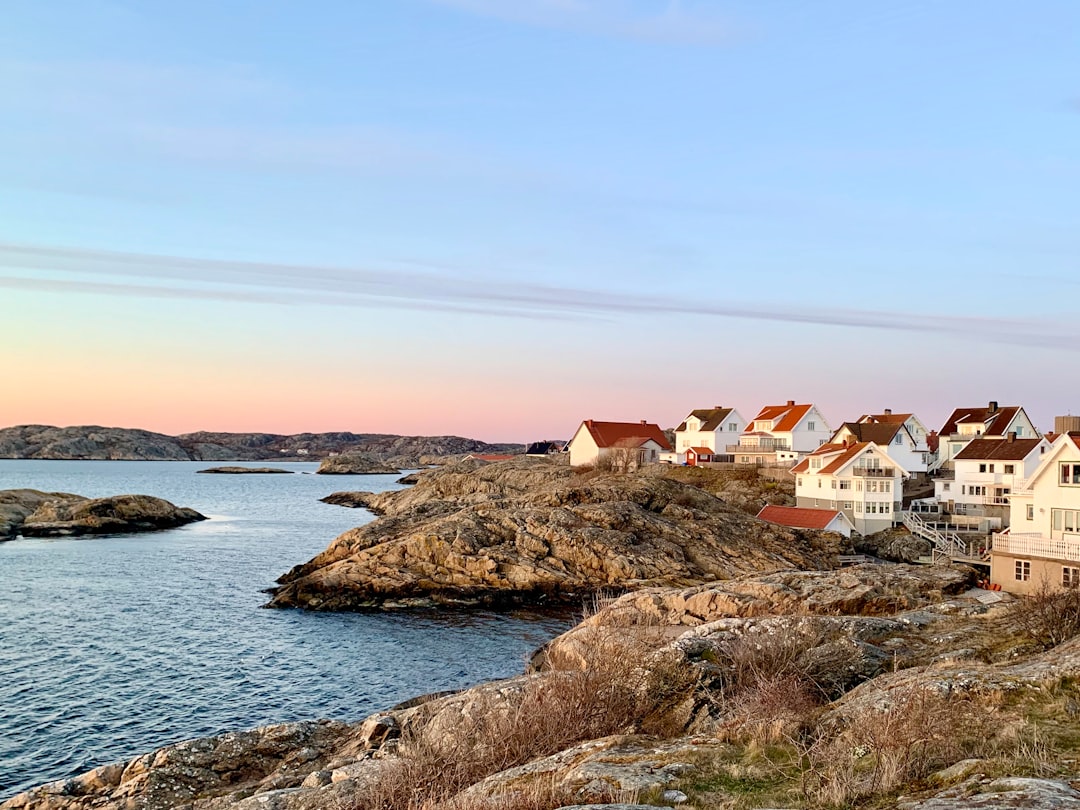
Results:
797 517
986 473
902 433
622 445
709 427
859 479
1042 544
991 422
781 433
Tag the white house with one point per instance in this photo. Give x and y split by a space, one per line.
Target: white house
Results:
902 433
991 422
1042 544
781 433
986 473
859 479
797 517
623 445
709 427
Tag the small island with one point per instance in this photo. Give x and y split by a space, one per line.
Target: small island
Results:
245 471
355 464
32 513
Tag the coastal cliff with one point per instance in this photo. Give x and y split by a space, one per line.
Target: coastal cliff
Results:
536 531
125 444
890 686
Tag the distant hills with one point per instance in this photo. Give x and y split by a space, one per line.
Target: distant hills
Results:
126 444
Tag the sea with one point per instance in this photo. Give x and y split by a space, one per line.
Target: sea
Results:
113 646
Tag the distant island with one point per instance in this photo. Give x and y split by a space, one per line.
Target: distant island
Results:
245 471
126 444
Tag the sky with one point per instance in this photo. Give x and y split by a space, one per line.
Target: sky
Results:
496 218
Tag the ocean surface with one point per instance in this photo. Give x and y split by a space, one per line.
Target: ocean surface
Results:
113 646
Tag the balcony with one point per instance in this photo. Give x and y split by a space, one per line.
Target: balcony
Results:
874 472
1037 545
761 445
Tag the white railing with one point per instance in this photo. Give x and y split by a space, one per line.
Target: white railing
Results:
1037 545
945 544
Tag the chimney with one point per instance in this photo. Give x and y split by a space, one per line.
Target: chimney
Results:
718 407
993 406
588 422
888 411
1011 437
644 422
791 403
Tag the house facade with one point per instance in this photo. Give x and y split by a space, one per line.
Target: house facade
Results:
711 428
1042 545
781 434
985 475
620 445
991 422
902 433
859 479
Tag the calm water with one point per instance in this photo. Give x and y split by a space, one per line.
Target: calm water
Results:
113 646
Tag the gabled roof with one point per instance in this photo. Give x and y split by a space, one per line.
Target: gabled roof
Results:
839 456
839 462
797 517
786 416
877 432
711 418
996 449
824 450
886 418
996 419
703 451
625 434
1063 442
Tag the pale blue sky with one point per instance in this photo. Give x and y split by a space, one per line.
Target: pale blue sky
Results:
386 199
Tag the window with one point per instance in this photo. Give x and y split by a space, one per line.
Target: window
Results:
848 505
799 481
1023 570
982 468
858 507
896 439
845 485
1070 473
1070 577
733 427
819 483
1030 512
886 486
885 509
811 425
1010 469
834 483
945 487
858 485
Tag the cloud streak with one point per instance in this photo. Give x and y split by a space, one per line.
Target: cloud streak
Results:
176 277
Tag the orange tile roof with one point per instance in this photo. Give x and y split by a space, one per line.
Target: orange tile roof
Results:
848 454
788 415
613 434
824 450
703 451
797 517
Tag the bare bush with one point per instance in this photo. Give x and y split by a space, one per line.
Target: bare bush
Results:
1049 616
877 750
615 690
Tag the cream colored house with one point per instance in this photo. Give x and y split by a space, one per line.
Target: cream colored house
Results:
859 479
992 422
781 433
622 445
1042 545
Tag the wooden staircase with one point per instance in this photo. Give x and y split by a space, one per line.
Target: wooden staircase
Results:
945 545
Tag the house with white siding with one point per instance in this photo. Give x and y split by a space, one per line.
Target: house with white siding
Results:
781 433
903 433
991 422
621 445
859 479
1041 547
711 428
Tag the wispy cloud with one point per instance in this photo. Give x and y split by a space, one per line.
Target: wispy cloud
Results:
129 274
682 22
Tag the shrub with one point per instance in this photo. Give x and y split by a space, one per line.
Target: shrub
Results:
1049 616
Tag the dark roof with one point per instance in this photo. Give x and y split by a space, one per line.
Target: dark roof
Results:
876 432
995 419
1015 450
711 418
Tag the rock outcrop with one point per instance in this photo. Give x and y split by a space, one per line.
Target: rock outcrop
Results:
536 532
355 464
244 471
94 442
38 514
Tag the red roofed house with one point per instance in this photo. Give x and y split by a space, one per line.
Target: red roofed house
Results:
902 433
1042 545
622 445
859 479
796 517
696 455
781 433
991 422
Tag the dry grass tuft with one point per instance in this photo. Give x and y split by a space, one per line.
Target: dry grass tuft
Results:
1049 616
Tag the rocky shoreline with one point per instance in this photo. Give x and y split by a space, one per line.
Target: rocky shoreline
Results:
59 514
